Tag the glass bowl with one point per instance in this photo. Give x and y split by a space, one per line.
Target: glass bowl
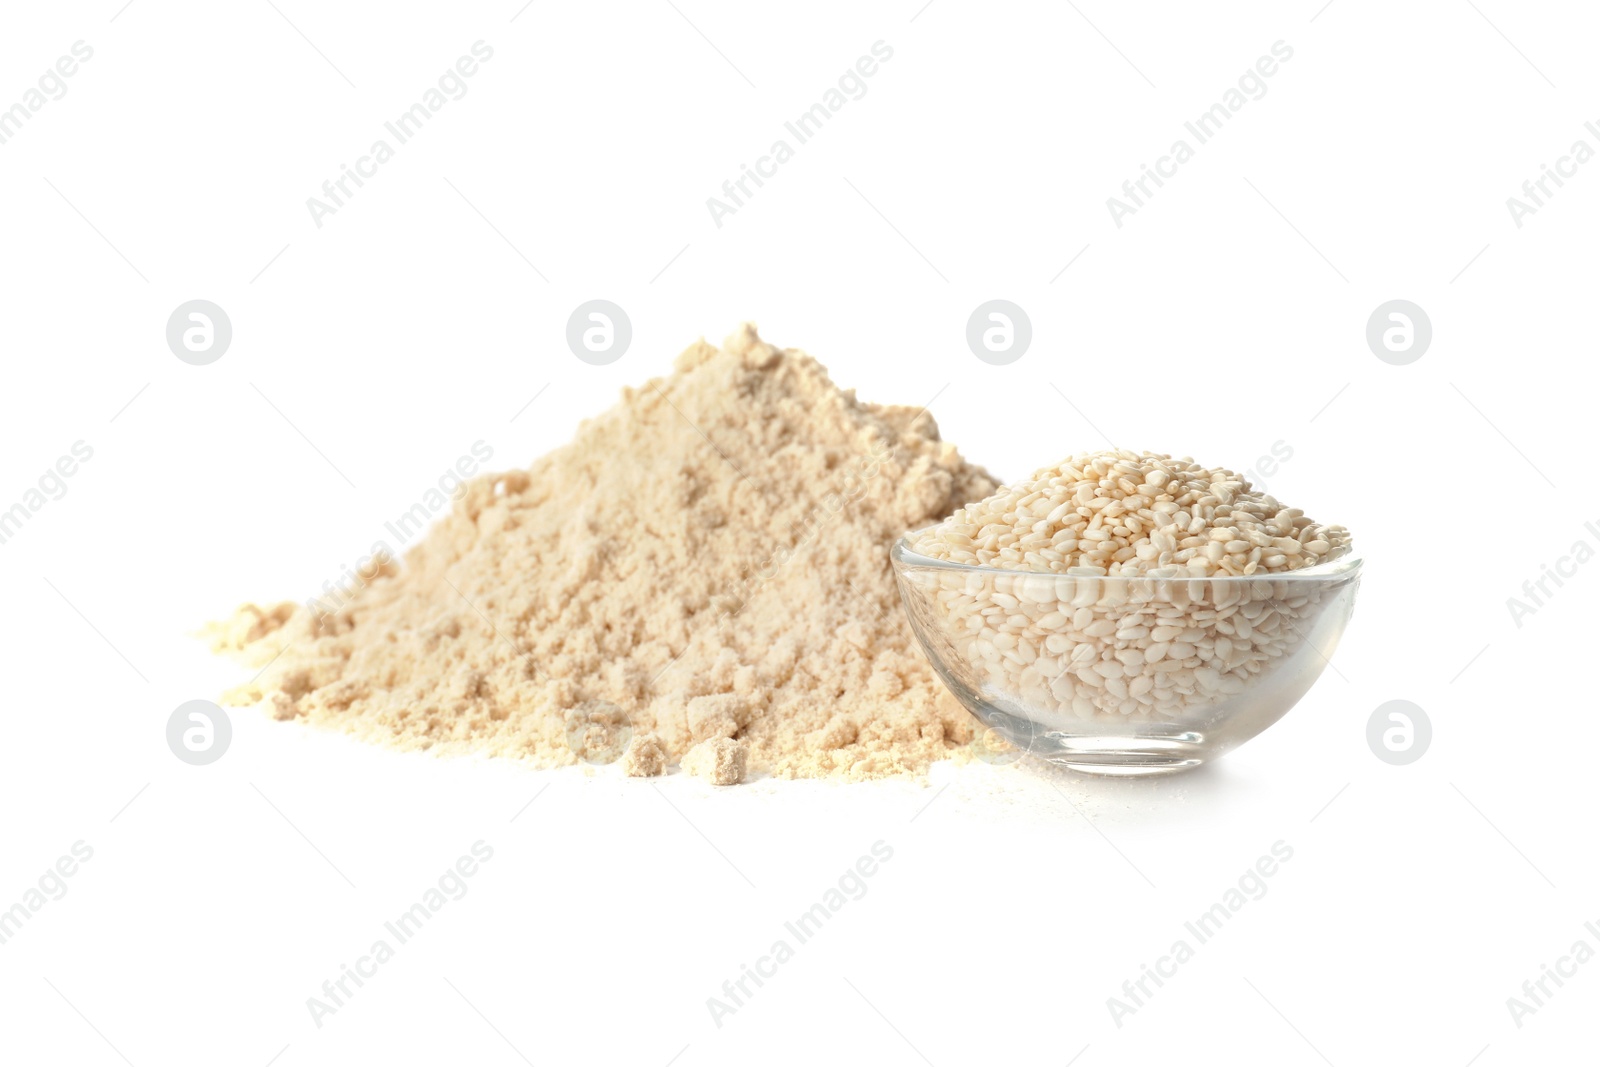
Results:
1125 675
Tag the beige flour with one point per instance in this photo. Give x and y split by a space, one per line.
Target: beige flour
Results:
700 579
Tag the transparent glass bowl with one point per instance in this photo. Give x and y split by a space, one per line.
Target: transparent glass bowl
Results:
1125 676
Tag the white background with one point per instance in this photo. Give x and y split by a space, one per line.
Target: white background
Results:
1224 317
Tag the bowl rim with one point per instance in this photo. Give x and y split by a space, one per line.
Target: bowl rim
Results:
1344 566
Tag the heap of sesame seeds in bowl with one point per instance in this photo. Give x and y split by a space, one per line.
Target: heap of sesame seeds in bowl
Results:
1123 585
1133 514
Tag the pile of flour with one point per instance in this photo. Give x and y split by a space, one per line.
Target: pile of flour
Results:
700 580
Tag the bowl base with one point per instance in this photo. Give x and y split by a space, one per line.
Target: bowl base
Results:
1121 763
1144 750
